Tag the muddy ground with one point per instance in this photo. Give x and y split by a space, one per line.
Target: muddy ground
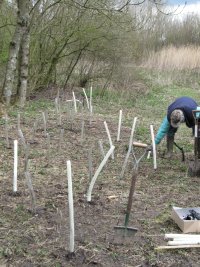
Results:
37 234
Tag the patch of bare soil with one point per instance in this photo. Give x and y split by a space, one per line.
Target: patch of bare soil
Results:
40 236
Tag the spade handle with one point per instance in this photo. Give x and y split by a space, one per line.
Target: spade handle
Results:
130 198
137 144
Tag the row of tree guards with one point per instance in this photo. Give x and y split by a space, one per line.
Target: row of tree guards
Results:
106 156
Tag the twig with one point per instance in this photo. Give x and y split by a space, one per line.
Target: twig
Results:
32 193
48 147
22 138
101 148
61 138
27 153
35 124
45 123
18 122
82 130
90 164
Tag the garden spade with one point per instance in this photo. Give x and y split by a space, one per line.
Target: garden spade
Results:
125 230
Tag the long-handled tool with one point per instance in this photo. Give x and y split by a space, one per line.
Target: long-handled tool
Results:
182 151
194 166
125 230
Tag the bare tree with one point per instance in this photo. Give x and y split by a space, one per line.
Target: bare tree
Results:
64 33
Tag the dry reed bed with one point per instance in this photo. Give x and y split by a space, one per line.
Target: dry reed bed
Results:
173 58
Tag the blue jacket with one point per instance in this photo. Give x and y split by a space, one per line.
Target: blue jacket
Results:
186 104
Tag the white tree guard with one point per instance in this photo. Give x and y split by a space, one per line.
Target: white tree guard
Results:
184 242
15 165
109 137
74 100
71 206
119 125
89 192
86 98
154 147
181 236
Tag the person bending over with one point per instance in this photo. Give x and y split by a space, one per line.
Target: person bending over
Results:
180 111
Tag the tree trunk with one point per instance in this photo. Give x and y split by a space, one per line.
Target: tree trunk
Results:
23 68
24 57
21 26
12 63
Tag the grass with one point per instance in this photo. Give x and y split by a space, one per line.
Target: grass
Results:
32 108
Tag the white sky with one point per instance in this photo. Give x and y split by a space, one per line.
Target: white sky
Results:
192 7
